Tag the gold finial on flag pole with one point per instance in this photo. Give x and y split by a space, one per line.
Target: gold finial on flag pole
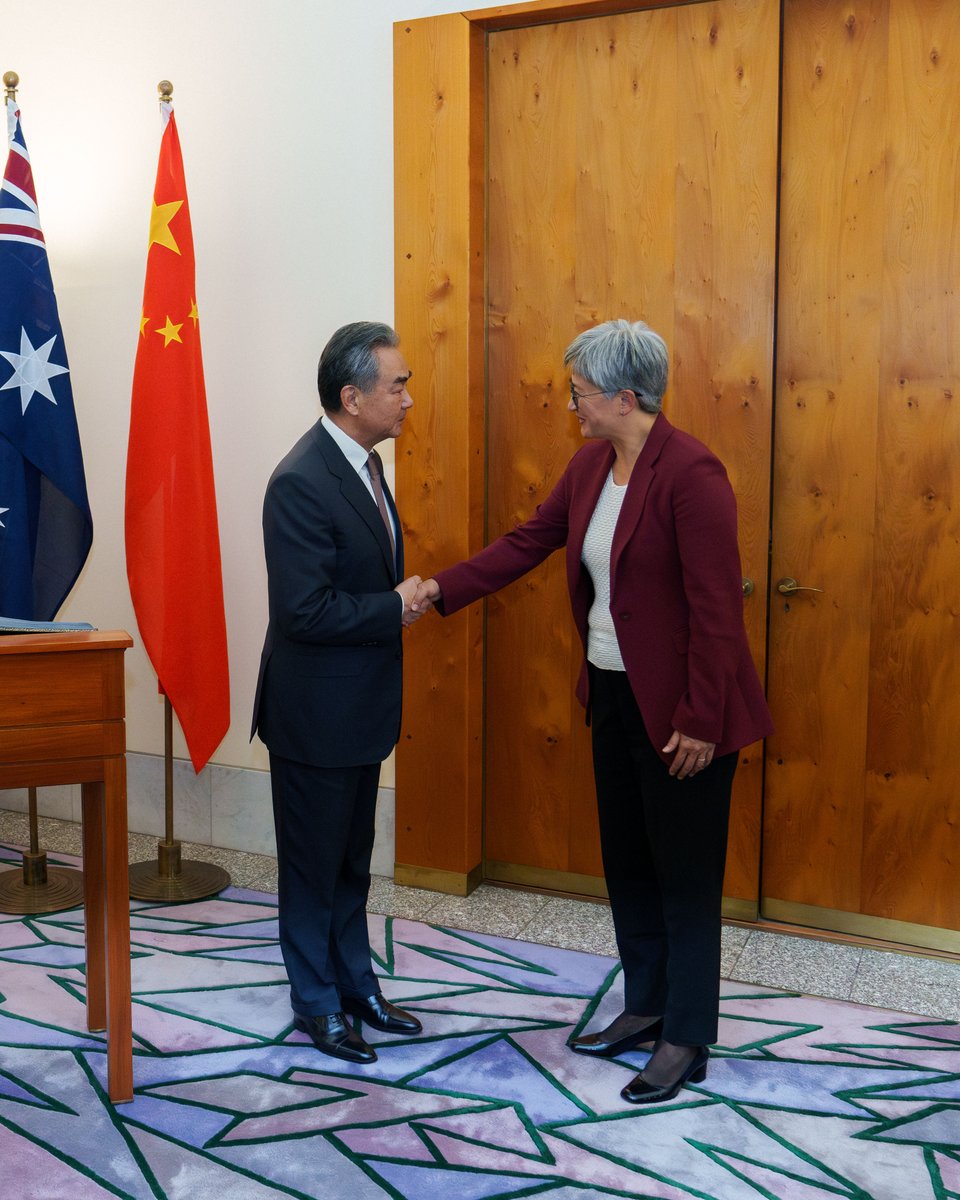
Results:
11 81
165 88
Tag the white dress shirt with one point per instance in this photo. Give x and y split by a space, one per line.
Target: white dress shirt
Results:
357 457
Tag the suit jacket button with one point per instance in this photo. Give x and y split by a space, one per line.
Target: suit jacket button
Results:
624 616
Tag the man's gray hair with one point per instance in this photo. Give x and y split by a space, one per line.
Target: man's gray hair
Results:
349 358
622 354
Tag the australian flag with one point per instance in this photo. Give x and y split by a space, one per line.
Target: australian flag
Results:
45 524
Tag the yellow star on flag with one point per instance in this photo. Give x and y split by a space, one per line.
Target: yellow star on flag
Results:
143 324
170 333
193 314
160 219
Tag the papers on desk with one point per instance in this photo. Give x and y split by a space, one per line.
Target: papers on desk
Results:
15 625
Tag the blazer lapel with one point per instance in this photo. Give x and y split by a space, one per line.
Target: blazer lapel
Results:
589 486
641 477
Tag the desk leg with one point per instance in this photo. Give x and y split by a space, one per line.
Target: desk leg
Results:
117 881
94 902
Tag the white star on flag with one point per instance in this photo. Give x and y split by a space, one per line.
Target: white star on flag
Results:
2 511
32 370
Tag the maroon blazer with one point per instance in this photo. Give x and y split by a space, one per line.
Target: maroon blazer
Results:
675 587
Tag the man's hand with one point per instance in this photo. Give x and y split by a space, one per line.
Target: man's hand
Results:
427 595
408 592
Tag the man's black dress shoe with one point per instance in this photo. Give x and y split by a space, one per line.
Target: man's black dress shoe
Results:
606 1044
377 1012
638 1091
333 1035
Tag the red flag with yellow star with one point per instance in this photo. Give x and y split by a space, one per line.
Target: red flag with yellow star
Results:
173 543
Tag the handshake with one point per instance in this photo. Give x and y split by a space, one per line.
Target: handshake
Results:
418 597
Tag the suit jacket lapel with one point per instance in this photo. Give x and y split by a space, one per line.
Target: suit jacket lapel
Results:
641 477
358 497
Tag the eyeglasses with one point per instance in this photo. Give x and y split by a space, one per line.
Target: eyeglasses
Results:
576 397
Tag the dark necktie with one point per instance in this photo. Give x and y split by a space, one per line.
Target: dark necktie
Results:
375 467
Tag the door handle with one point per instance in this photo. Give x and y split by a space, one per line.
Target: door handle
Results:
747 586
786 587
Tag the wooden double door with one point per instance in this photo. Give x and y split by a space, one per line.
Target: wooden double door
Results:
775 188
793 234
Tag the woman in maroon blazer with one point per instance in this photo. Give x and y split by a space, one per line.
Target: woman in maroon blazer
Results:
648 519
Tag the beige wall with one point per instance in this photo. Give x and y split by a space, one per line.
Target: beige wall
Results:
285 117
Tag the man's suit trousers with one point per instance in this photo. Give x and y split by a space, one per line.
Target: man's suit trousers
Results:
324 819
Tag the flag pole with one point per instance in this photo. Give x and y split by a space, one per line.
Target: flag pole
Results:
170 877
39 889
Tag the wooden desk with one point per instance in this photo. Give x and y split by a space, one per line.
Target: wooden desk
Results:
62 721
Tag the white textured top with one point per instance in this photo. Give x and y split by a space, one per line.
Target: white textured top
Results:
603 649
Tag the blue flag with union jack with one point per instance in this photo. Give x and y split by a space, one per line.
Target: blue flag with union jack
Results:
45 524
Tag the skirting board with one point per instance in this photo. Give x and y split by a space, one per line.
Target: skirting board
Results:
229 807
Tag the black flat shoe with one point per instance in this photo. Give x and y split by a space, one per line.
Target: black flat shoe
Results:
332 1035
377 1012
601 1045
638 1091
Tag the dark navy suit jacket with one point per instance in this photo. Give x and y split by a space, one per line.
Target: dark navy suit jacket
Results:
329 691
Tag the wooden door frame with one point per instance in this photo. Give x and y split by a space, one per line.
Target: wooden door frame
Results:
440 258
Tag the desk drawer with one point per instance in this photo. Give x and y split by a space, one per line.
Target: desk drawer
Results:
46 743
42 688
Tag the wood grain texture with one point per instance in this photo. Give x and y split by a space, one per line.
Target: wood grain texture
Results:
724 297
439 461
862 812
530 718
66 643
89 691
834 111
541 12
54 677
116 916
93 834
618 190
38 742
911 846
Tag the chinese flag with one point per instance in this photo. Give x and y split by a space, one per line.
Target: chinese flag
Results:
173 545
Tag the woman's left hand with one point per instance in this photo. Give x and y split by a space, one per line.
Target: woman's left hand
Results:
692 754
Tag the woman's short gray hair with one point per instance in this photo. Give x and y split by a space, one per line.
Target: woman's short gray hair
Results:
622 354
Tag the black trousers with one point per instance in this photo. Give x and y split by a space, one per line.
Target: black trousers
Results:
324 818
664 843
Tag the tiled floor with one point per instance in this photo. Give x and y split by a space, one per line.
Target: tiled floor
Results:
912 983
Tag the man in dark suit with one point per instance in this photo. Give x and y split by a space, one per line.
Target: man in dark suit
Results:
329 692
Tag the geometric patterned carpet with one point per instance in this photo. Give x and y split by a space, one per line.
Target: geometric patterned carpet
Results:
805 1099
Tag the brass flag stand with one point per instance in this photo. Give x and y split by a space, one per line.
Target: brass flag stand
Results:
39 888
170 878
